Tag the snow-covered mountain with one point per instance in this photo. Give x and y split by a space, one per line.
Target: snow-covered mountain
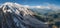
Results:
14 15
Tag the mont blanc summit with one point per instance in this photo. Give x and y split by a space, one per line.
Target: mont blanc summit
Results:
14 15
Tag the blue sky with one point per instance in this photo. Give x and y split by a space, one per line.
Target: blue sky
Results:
33 2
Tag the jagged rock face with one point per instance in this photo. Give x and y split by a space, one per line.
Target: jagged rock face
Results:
15 16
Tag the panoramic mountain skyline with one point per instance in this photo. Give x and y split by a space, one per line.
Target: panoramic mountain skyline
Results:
42 4
29 13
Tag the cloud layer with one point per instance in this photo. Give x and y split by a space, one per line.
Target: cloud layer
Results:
49 6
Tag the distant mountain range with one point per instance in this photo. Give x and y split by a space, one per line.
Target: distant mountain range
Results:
47 14
41 11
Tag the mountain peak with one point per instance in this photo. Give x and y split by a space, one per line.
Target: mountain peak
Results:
12 4
7 3
14 7
13 15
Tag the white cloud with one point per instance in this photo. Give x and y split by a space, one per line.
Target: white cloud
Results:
38 6
48 6
26 6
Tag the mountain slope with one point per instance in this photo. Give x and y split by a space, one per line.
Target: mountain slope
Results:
14 15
